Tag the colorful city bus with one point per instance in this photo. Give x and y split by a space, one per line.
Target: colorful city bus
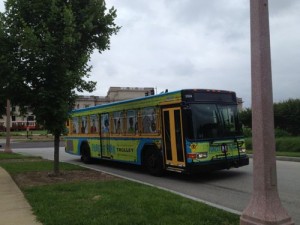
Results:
183 131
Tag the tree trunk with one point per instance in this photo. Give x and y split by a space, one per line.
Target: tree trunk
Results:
56 155
7 148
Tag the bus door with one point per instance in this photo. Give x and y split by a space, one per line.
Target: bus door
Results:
105 136
173 137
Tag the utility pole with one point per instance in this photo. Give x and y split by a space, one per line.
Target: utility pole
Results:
7 148
265 207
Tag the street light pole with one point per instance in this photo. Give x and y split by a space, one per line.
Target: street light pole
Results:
265 206
7 148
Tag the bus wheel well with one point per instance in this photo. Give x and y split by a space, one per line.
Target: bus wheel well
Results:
146 151
85 152
152 160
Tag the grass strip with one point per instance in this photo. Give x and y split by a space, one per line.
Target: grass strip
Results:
287 154
119 202
15 168
4 155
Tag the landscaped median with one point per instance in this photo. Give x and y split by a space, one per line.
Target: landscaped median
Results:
285 146
82 196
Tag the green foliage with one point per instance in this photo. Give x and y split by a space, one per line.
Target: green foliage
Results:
287 116
53 41
248 143
119 202
283 144
281 133
288 144
247 132
246 117
27 166
50 44
4 155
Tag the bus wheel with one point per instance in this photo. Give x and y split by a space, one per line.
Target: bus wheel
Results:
86 153
154 163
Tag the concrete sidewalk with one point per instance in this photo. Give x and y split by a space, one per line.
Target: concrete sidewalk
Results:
14 208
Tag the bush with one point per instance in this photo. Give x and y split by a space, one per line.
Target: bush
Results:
288 144
283 144
247 132
281 133
248 143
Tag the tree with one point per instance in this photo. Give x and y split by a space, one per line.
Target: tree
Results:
4 66
246 117
55 39
287 116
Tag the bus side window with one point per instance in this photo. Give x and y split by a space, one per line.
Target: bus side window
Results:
117 122
105 123
83 125
68 127
132 124
149 120
75 125
94 124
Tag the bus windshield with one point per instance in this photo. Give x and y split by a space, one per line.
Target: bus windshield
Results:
214 121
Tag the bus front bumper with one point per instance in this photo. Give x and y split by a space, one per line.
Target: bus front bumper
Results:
218 164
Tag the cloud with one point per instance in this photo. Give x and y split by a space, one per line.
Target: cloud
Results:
176 44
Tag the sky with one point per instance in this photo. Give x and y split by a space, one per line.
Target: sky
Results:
182 44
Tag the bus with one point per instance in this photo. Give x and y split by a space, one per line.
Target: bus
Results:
184 131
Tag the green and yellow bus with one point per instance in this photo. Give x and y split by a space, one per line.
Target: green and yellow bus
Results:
182 131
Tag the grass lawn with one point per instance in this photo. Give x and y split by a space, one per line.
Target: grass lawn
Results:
4 155
108 201
29 166
24 133
288 154
119 202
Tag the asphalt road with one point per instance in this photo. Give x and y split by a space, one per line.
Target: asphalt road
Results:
228 189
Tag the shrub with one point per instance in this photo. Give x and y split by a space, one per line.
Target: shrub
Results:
288 144
248 143
247 132
283 144
281 133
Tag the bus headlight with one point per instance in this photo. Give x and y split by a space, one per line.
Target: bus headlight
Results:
242 150
202 155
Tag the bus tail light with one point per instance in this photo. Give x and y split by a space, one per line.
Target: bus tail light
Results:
191 156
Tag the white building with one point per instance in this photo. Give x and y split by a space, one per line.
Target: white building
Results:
114 94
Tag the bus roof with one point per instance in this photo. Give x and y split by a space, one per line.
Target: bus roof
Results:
147 101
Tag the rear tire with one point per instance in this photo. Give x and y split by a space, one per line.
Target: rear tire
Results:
153 162
85 153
